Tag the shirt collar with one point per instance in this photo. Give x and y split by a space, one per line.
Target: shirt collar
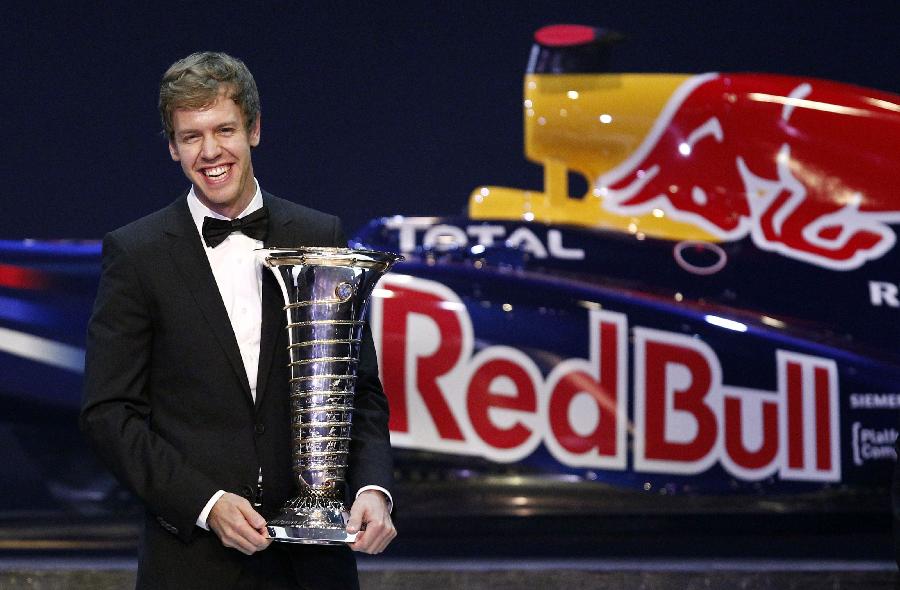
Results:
199 210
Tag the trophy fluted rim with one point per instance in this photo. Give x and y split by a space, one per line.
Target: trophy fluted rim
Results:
327 256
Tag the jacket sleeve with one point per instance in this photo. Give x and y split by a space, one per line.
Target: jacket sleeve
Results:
370 461
116 408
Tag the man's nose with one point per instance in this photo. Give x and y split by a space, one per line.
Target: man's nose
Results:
210 148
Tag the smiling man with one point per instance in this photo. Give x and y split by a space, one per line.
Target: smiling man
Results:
186 380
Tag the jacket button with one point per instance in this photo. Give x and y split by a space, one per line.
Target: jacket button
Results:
260 428
246 492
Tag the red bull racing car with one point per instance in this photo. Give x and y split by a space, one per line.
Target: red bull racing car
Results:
693 326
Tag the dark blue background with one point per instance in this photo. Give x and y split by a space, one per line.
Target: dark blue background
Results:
369 109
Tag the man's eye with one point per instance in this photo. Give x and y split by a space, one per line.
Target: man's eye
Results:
227 130
188 138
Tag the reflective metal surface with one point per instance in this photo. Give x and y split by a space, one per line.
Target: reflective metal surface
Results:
325 292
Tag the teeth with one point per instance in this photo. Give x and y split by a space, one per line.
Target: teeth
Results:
215 172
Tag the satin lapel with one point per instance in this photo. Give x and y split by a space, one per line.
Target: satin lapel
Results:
191 261
274 320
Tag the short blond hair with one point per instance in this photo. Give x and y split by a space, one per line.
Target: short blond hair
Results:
196 81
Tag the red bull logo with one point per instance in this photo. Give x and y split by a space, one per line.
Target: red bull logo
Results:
804 167
497 403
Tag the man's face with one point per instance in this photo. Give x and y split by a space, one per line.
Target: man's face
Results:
213 146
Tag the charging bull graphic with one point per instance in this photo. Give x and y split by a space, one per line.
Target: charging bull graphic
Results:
796 164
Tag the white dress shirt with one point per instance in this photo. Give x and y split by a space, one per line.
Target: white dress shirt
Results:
239 278
238 275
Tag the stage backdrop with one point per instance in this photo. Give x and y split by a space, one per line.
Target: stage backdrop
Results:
369 109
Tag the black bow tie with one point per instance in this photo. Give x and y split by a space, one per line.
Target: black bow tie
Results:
255 225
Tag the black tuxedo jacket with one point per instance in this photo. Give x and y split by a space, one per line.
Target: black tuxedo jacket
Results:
167 403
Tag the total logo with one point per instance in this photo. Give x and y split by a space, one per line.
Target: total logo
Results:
497 404
446 237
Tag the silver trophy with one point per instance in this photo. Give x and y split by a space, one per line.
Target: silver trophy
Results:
326 291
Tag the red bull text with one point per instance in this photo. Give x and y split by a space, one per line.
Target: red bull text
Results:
683 415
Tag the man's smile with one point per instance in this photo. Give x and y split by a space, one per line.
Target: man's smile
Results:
216 174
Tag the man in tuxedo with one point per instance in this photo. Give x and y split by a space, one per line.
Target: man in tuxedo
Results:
186 379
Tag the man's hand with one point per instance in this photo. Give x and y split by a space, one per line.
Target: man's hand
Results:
238 525
371 509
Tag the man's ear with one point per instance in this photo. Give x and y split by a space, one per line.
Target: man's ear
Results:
255 131
173 152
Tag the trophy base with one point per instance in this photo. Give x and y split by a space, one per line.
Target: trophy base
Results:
311 520
310 536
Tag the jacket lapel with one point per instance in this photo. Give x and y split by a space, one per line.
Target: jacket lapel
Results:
274 320
189 258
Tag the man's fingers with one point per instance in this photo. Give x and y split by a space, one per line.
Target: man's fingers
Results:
371 520
244 538
238 525
376 537
241 544
252 517
253 537
370 511
354 523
